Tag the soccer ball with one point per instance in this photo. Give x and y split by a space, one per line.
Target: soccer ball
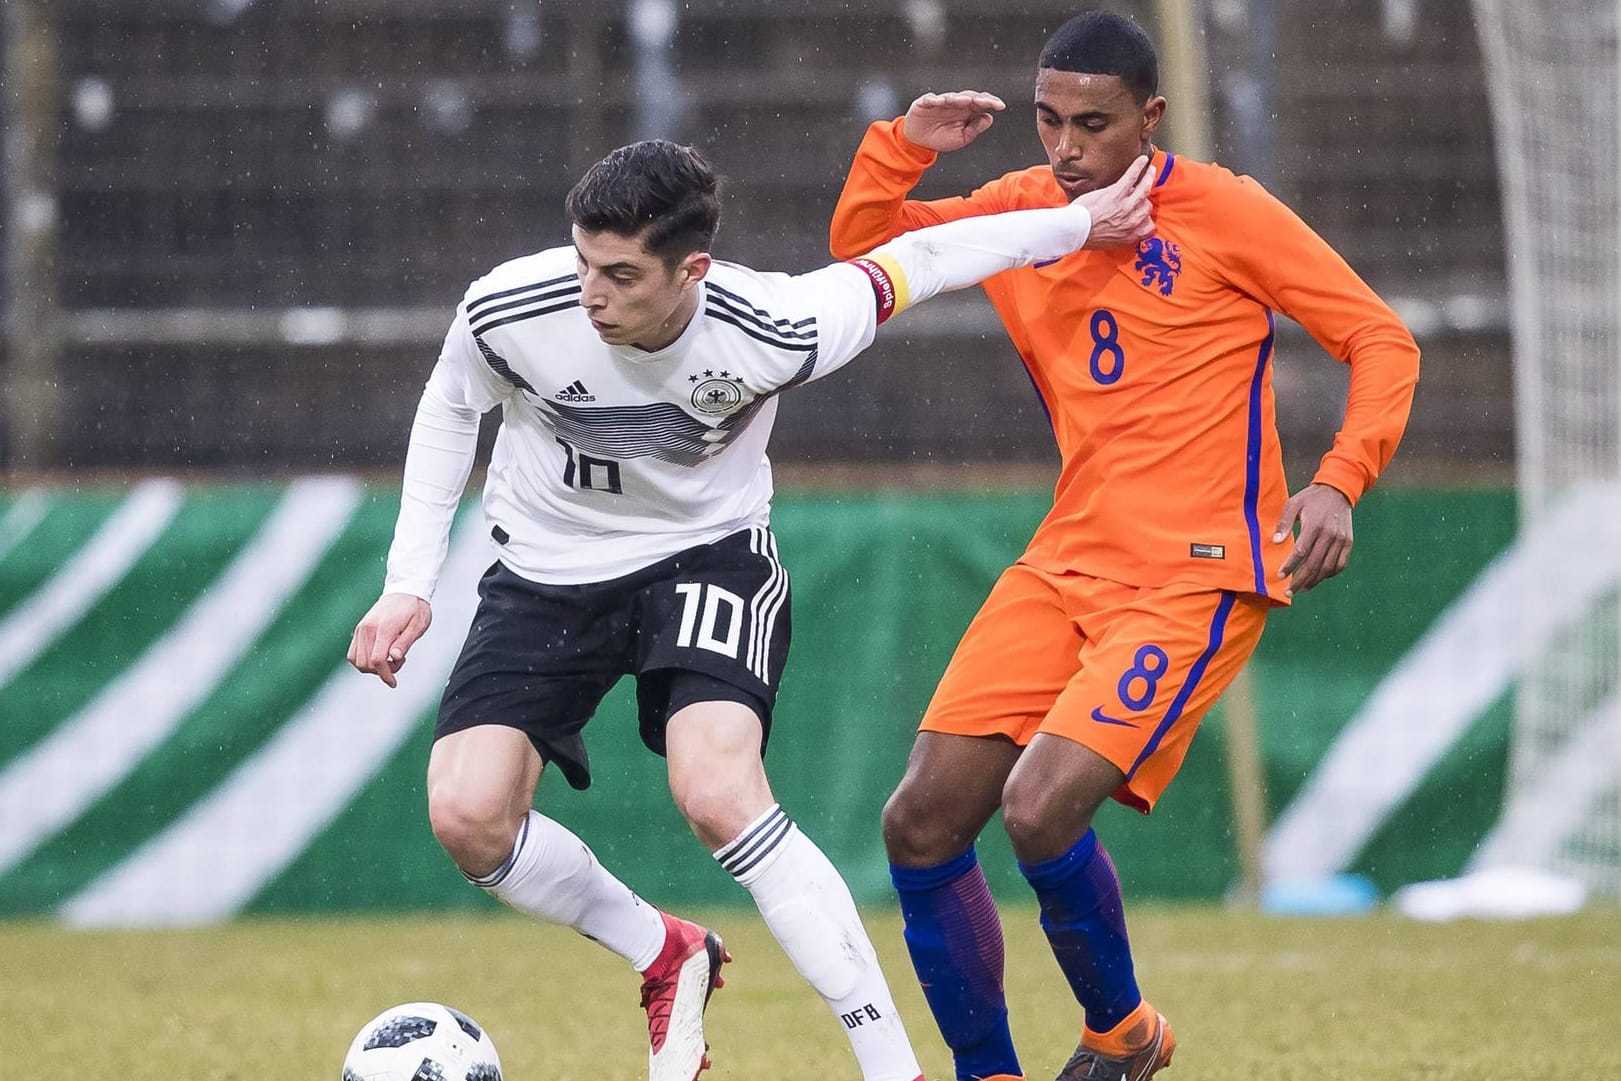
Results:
422 1041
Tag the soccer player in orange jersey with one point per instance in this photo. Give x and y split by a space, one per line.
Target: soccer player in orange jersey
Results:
1170 537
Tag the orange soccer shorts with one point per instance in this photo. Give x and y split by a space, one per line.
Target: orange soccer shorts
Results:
1126 671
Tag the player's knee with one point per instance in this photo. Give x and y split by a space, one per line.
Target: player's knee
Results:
1039 825
914 837
705 811
898 829
476 829
719 812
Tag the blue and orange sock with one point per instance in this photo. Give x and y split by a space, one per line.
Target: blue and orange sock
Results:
955 938
1085 921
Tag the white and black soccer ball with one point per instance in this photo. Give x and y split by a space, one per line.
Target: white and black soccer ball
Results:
422 1041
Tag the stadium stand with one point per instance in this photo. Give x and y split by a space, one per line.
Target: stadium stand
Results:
269 208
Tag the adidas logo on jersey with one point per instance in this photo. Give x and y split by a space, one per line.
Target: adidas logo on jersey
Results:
575 392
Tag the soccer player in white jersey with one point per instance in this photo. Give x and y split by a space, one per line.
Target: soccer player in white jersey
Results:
629 496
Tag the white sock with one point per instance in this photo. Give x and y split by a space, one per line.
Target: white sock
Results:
552 875
809 909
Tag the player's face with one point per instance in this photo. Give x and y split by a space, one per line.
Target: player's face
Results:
631 296
1092 127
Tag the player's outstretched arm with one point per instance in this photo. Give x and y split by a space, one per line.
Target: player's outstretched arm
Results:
386 634
956 254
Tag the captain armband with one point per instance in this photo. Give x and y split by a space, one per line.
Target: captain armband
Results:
888 283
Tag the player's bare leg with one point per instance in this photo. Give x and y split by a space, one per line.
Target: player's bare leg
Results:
1051 795
1048 805
952 787
720 786
481 783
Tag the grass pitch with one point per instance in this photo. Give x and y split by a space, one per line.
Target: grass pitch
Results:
1252 999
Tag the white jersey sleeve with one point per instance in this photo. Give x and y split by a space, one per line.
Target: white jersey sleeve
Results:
957 254
849 300
444 440
840 299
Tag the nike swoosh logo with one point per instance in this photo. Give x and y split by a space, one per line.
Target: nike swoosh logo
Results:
1103 718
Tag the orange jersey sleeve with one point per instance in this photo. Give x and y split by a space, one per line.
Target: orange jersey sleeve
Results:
1155 365
1270 254
873 206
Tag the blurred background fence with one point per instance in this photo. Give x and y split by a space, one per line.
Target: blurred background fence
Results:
265 211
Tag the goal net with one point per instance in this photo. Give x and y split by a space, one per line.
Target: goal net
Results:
1554 76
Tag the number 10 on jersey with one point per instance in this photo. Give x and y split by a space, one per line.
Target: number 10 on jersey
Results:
701 615
583 472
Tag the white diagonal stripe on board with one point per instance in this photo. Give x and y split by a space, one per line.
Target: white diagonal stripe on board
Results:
24 514
1535 825
1487 637
217 857
85 578
52 783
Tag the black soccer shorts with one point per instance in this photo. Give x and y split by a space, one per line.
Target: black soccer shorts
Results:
710 623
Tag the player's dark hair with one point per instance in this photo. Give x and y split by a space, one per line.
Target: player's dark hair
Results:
663 192
1103 43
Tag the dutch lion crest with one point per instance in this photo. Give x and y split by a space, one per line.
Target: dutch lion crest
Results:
1159 262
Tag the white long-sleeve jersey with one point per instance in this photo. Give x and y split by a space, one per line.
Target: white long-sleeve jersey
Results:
610 458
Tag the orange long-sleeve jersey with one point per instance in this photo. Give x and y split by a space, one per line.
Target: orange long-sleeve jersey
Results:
1155 364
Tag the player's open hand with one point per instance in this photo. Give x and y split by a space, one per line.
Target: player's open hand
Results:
946 122
386 634
1324 543
1121 213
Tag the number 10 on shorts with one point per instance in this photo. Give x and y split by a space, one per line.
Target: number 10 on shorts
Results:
711 599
